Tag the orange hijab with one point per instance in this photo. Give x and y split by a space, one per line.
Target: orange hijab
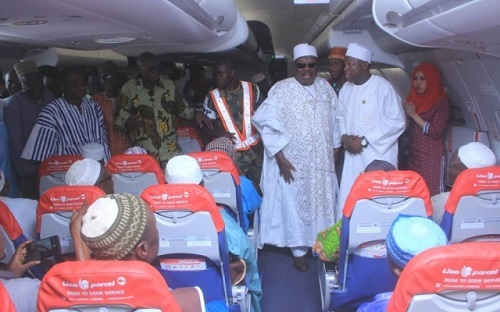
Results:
435 91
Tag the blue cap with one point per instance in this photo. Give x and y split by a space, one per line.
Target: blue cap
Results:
410 235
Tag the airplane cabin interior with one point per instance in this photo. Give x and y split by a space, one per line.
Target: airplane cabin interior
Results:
461 37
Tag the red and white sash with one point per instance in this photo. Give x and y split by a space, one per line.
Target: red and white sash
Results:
250 136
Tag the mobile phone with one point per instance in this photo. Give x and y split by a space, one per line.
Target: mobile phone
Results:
43 249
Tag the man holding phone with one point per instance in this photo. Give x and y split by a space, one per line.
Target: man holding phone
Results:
43 249
22 291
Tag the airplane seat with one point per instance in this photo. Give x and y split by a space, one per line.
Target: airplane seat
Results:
374 202
13 236
54 210
193 248
132 173
6 304
52 171
98 285
456 277
222 180
189 140
472 211
11 232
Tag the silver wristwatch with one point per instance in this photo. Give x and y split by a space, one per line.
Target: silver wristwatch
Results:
364 142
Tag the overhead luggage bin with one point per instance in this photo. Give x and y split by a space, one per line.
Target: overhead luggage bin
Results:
451 24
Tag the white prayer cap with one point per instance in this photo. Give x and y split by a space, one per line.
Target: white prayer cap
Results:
114 224
83 172
476 155
2 180
360 52
304 49
94 151
183 169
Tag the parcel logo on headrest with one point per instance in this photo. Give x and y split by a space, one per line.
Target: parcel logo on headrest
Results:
489 176
64 198
129 163
387 182
466 271
84 284
207 159
56 164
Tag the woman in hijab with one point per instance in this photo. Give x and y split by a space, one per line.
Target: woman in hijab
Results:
428 109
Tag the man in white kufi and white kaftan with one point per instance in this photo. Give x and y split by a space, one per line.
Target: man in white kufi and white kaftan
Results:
371 118
297 122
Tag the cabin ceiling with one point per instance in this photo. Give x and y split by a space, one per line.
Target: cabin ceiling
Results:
197 27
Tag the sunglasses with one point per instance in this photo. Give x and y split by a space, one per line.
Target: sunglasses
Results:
304 65
151 69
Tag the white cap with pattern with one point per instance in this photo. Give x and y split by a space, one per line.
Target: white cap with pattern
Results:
183 169
476 155
83 172
360 52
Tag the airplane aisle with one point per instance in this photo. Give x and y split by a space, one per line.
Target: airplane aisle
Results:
286 289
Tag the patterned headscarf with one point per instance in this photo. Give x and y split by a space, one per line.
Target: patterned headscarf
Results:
435 91
225 145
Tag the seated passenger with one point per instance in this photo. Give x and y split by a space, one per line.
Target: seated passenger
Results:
22 291
250 197
23 209
90 170
408 236
327 245
185 169
468 156
123 227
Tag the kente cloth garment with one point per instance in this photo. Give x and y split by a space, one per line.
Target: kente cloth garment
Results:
20 114
117 139
372 110
427 155
158 108
300 122
249 161
61 129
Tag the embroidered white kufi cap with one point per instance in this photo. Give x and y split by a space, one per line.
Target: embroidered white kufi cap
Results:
183 169
304 49
476 155
360 52
83 172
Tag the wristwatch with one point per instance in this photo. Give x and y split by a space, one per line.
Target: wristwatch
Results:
364 142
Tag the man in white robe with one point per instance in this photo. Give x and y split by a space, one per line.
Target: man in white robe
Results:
299 184
370 118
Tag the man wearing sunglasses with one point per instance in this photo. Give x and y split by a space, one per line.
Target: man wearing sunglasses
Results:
149 108
371 118
297 125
